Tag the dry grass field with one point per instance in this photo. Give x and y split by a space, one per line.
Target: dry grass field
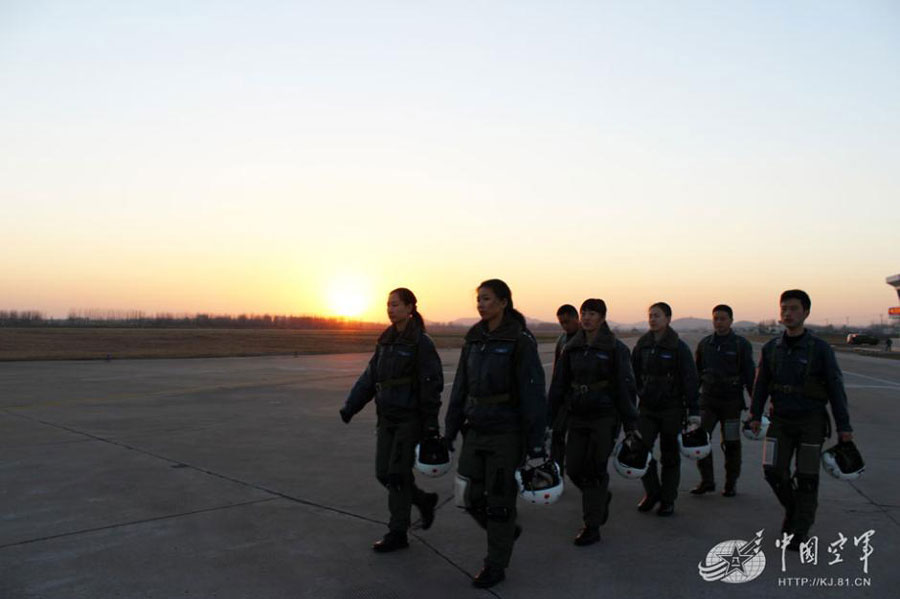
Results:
98 343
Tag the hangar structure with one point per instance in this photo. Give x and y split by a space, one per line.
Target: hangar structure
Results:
894 311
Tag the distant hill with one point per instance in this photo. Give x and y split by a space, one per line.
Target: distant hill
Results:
464 322
688 323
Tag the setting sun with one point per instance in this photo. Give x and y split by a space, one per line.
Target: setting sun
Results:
348 297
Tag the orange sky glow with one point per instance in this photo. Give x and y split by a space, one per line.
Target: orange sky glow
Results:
287 159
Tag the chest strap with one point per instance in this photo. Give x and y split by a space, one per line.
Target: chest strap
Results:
583 389
387 384
490 399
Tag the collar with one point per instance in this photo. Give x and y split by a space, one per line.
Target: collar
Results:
714 336
802 341
409 335
669 339
509 329
605 339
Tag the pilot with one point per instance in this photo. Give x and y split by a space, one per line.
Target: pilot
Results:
498 401
725 363
799 372
406 378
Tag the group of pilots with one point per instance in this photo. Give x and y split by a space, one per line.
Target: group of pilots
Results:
659 390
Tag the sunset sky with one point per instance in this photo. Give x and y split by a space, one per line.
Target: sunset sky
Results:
307 157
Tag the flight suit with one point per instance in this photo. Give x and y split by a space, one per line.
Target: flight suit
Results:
499 403
667 386
725 364
406 378
594 383
801 375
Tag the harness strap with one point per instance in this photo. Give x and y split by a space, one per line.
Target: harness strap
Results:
491 399
387 384
584 388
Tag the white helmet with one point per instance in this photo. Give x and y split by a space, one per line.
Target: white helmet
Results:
542 484
432 457
763 427
694 444
843 461
631 456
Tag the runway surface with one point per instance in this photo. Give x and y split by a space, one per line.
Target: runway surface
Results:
236 478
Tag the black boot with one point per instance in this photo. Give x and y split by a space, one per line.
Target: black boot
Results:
488 577
729 490
704 486
648 502
426 509
588 536
665 509
391 542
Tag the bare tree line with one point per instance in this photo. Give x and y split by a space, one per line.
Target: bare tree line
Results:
140 319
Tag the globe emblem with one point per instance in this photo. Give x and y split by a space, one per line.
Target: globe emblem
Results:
734 562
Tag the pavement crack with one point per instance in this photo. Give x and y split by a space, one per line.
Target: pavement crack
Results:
276 494
134 522
882 508
170 392
438 552
182 464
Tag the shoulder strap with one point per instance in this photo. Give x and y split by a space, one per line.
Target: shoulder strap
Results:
704 349
773 361
809 359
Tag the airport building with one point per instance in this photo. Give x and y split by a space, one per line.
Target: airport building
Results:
894 311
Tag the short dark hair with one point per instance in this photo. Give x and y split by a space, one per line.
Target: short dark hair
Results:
666 308
797 294
724 308
594 305
567 309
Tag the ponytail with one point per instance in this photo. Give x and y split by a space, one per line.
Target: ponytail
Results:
418 318
518 316
409 298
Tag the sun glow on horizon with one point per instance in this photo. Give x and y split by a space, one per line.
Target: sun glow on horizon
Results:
348 296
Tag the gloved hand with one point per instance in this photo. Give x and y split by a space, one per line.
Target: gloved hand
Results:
693 423
346 415
632 438
536 456
538 451
755 424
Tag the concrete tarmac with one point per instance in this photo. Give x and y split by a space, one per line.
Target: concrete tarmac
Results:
236 478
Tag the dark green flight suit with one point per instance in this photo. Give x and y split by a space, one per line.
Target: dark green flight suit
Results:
559 421
801 375
498 400
667 386
406 378
725 364
594 383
